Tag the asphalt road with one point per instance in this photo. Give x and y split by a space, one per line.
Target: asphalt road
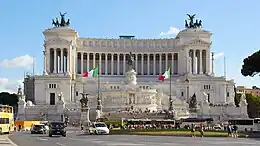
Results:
75 138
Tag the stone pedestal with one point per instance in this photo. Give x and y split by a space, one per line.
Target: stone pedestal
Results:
131 77
98 114
60 108
84 117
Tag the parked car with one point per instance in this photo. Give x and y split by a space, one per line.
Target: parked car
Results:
57 128
38 129
98 128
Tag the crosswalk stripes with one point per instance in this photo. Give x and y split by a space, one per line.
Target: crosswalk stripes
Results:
5 141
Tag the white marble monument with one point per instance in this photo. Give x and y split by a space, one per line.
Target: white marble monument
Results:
67 56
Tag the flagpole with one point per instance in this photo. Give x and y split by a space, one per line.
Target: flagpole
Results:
170 98
98 98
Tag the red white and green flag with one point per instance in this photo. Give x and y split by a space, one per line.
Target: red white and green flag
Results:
166 75
93 73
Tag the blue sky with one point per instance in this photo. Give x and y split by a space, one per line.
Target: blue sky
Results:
234 24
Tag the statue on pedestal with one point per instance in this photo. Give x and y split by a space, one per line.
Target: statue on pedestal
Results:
84 101
62 22
193 103
191 24
131 61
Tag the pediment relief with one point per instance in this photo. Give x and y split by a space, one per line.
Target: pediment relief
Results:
57 41
197 42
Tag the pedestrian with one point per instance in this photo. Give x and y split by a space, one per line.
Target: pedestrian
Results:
235 133
202 130
192 130
229 130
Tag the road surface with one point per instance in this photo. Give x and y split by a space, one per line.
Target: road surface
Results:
75 138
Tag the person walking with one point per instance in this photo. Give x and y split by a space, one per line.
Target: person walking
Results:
235 133
192 130
229 130
202 130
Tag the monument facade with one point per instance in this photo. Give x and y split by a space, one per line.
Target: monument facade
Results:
129 81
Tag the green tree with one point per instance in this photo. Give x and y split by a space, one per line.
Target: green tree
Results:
8 99
251 66
193 103
253 107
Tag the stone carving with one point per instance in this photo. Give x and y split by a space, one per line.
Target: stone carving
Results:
206 97
191 24
198 41
243 101
62 22
60 97
131 77
143 44
57 41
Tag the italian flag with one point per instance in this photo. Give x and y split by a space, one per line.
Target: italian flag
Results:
93 73
166 75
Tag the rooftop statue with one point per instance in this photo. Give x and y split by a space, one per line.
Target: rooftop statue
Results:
191 24
62 23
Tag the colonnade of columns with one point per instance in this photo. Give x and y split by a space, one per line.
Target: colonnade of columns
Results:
58 58
116 64
57 61
198 61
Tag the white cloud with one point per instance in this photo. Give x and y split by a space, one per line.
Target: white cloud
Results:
217 55
172 31
10 86
21 61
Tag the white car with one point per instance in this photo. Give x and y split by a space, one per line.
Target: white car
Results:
98 128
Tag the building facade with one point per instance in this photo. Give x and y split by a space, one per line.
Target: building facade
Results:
67 56
254 90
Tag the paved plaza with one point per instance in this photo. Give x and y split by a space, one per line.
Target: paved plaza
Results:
75 138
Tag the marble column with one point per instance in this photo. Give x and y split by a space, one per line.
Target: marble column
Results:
124 64
136 62
173 65
112 64
160 64
201 71
94 60
207 62
154 64
142 64
82 62
106 63
118 63
194 62
55 60
88 58
148 64
187 61
45 63
100 67
61 61
166 61
69 69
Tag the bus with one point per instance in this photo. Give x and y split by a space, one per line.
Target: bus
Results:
149 122
257 124
6 119
243 124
